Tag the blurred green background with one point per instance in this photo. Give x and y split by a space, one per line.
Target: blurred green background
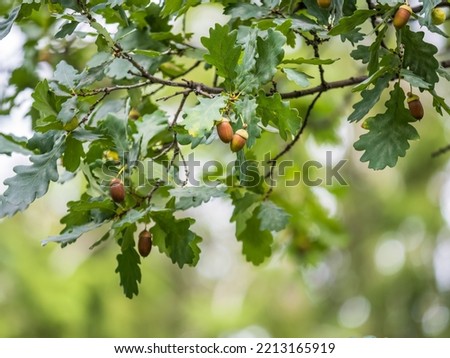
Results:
387 274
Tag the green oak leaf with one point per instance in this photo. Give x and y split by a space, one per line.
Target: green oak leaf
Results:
66 75
419 56
86 210
439 103
32 181
71 235
353 36
9 144
73 153
244 204
272 109
68 110
389 133
369 98
413 79
130 218
222 51
362 53
44 100
6 25
270 54
348 23
177 7
200 119
116 128
67 29
256 243
173 237
191 197
149 127
128 264
273 218
300 78
245 11
248 172
246 78
120 68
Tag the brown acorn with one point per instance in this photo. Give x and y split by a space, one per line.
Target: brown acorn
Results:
239 140
402 16
224 130
415 106
145 243
324 4
117 190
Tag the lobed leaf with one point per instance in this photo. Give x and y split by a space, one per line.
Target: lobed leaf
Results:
174 238
272 109
32 181
195 196
200 119
389 133
222 50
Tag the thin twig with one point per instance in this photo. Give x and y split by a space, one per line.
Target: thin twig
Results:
440 151
108 90
92 108
194 66
172 95
297 136
180 107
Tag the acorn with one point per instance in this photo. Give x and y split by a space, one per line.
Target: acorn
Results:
402 16
239 140
117 190
134 114
224 130
438 16
415 107
324 4
145 243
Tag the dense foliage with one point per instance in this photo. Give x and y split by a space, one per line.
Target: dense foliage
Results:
101 114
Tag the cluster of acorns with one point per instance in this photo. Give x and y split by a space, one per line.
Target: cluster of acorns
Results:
404 12
225 131
117 192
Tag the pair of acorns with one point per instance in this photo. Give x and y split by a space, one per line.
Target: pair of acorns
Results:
117 192
225 131
404 12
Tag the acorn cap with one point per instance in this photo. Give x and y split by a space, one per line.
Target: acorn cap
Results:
412 97
243 133
115 181
406 7
223 119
